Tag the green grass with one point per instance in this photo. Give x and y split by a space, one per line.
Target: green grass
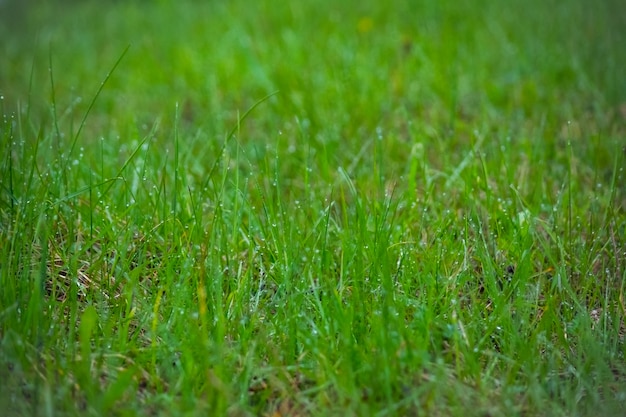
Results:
256 208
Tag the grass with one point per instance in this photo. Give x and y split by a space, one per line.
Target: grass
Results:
244 208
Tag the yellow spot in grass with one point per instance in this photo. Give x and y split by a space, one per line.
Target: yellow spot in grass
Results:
365 24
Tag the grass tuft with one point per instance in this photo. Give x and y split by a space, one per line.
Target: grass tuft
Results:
312 209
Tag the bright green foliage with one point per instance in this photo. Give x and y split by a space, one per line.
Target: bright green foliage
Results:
312 208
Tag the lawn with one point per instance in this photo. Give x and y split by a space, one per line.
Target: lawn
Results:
312 208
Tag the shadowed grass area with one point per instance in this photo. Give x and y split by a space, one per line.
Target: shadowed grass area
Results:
236 208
